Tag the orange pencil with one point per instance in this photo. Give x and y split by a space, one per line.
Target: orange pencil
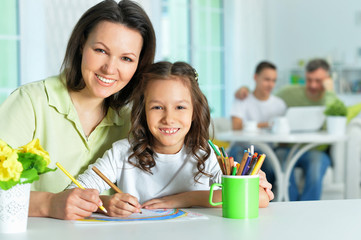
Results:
112 185
102 176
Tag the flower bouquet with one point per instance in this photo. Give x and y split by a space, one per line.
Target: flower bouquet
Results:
18 168
23 165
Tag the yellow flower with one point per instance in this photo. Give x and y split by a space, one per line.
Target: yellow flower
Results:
5 150
10 167
35 148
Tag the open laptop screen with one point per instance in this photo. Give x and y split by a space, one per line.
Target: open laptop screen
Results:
305 118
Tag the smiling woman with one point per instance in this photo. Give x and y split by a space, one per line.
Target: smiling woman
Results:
80 113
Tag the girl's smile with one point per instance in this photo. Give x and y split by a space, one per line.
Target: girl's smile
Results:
169 111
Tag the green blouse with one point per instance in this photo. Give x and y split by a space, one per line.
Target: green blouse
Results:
44 110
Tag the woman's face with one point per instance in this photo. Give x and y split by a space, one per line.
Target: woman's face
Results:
109 59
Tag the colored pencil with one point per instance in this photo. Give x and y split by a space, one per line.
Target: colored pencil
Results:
112 185
243 162
76 182
214 148
258 164
102 176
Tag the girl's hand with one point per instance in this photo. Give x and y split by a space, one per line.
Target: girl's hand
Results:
121 204
172 201
266 185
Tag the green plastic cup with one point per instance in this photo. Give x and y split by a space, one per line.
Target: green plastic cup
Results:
240 196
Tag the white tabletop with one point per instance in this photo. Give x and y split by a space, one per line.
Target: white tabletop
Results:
303 141
337 219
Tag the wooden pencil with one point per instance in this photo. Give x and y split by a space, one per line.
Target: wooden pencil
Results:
221 165
102 176
112 185
243 162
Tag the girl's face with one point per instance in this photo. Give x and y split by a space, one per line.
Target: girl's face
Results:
169 112
109 59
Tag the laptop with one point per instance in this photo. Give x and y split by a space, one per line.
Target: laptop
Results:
305 119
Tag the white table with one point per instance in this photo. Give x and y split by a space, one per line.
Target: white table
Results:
302 143
337 219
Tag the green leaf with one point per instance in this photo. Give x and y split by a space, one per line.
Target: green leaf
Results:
29 176
336 108
8 184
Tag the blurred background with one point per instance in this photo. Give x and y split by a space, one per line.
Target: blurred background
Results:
223 40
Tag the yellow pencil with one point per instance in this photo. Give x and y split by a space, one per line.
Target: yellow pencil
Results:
258 164
76 182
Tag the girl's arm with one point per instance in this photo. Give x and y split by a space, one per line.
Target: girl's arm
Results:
196 198
184 200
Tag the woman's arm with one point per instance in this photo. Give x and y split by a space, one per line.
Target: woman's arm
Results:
70 204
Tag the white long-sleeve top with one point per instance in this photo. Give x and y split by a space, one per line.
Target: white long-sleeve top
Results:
173 173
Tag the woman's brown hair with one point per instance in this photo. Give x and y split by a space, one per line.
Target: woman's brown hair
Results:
198 135
126 13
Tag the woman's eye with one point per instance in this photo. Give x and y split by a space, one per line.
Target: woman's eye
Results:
100 50
157 107
180 107
127 59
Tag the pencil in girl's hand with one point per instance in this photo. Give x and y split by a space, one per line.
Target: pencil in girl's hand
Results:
102 176
112 185
76 182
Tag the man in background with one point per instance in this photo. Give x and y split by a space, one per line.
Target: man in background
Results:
318 91
259 106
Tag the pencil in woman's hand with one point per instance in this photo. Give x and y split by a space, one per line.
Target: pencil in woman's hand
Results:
76 182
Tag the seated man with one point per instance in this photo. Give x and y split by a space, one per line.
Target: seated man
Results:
260 107
317 92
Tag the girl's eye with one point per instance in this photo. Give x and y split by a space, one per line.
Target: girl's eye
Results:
156 107
100 50
180 107
127 59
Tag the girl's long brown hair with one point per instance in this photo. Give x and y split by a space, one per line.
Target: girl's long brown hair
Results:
198 135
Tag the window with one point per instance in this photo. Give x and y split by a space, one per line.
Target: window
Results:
193 32
9 48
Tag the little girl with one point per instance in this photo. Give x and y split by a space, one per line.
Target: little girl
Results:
166 162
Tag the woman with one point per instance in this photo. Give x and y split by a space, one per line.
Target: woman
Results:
79 114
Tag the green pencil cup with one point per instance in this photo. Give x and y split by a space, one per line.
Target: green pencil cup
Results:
240 196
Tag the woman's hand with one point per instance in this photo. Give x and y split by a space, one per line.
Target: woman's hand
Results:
266 185
121 204
71 204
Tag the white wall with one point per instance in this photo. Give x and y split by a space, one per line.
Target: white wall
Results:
245 43
305 29
45 29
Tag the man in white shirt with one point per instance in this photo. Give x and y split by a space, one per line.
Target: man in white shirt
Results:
259 106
